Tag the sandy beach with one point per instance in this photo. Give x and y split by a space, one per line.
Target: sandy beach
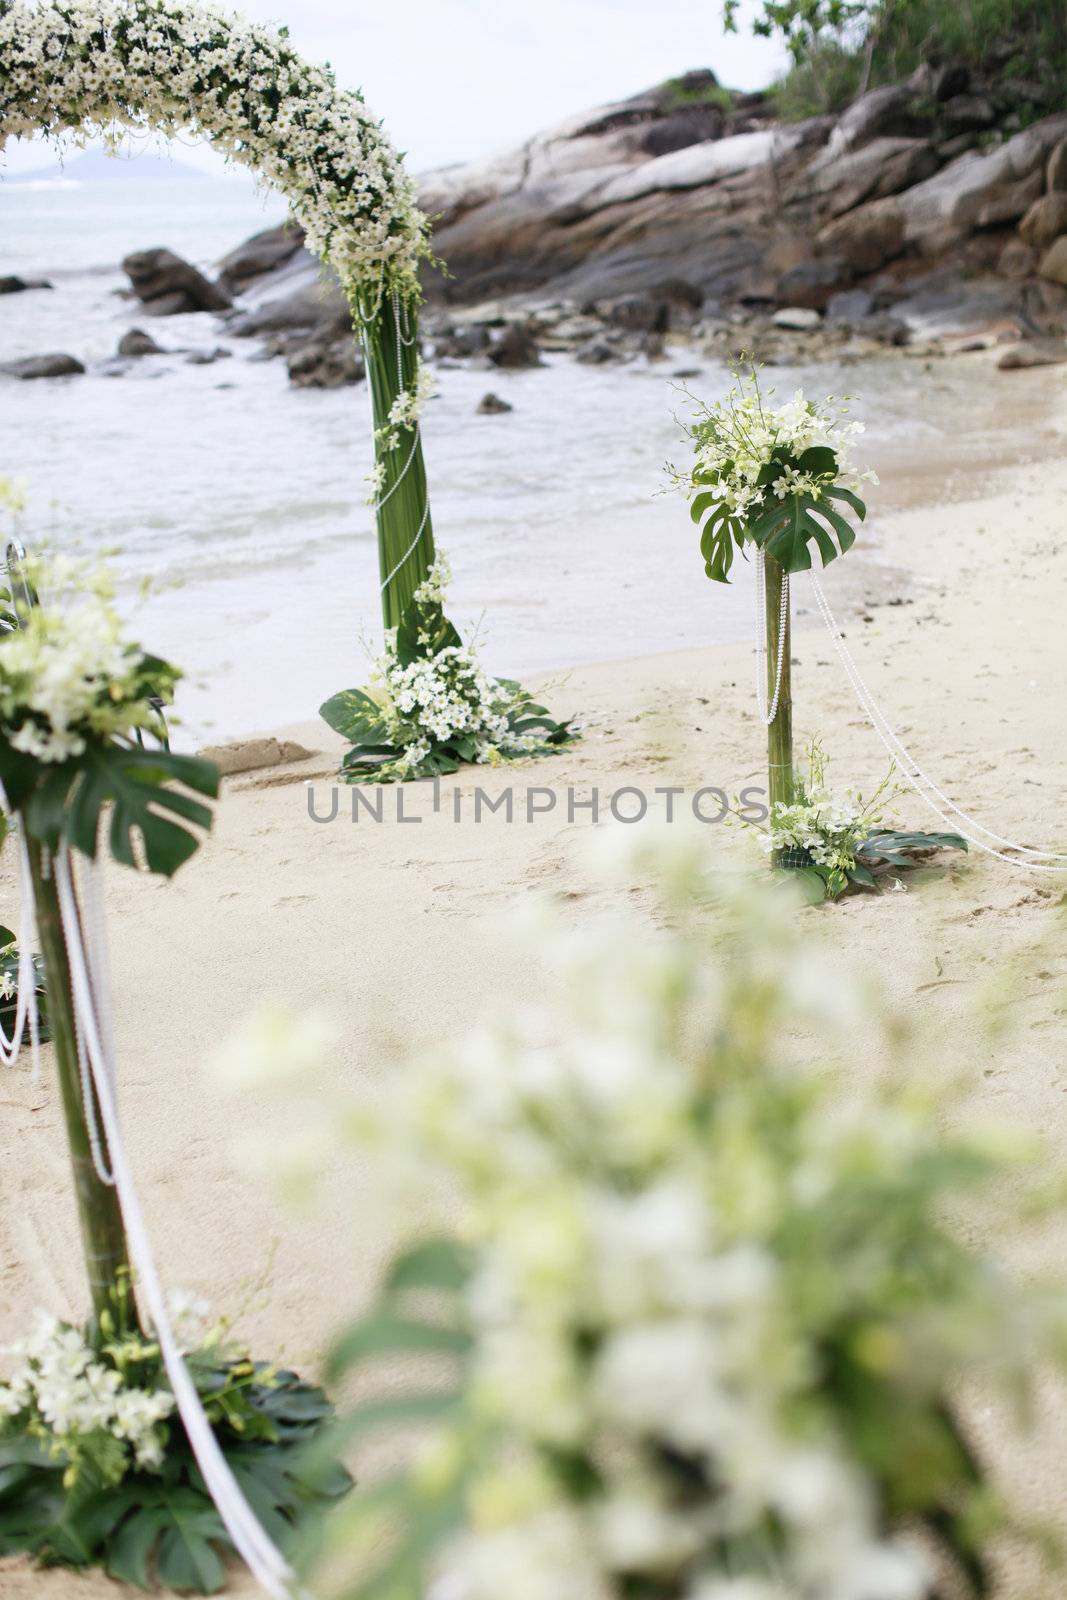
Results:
957 623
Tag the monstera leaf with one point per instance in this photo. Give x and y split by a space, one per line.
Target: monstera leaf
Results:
424 632
785 527
67 804
789 526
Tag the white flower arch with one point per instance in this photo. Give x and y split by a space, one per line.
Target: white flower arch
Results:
101 65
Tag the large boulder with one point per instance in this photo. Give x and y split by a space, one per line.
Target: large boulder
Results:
897 111
312 302
945 208
865 238
56 365
883 167
263 253
812 283
167 285
1011 202
1053 264
1056 170
1045 220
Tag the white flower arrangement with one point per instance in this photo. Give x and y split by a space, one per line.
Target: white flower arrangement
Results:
405 413
771 476
100 65
843 839
430 704
67 676
710 1323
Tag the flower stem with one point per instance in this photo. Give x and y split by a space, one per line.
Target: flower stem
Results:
99 1216
780 730
392 368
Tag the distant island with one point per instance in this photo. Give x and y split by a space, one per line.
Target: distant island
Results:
96 166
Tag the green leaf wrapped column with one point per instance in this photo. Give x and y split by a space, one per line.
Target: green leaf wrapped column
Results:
99 1216
390 343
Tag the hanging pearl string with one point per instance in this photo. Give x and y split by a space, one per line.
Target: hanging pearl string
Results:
947 811
768 713
255 1546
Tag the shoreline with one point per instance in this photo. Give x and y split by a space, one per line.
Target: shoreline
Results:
398 931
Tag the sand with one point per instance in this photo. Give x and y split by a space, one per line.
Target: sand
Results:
956 615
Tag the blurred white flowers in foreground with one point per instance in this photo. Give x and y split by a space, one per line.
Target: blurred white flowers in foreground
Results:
702 1320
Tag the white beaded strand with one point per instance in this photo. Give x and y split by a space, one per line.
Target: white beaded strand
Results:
947 811
768 714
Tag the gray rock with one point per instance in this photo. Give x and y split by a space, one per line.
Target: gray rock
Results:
868 237
849 305
491 405
966 112
48 366
319 304
896 110
326 366
1045 220
811 284
800 319
264 252
516 346
598 353
207 358
13 284
135 342
946 207
1035 353
167 286
458 344
1010 203
1017 260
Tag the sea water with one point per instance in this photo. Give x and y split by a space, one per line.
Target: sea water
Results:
244 501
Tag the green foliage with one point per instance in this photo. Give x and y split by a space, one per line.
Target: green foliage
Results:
382 738
161 1526
9 977
841 46
678 94
65 802
420 1312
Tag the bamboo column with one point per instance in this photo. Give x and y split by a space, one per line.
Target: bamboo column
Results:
780 729
99 1217
392 368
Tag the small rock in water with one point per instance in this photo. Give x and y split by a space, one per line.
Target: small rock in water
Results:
516 347
491 405
688 372
206 358
55 365
1037 353
798 318
597 353
325 366
15 285
136 342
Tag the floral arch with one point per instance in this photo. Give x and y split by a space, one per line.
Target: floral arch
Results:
102 65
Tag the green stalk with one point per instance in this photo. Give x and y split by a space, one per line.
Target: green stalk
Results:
392 367
102 1231
780 731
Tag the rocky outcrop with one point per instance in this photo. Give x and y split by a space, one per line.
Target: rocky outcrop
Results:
168 286
55 365
688 209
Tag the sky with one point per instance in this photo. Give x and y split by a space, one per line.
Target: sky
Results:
458 79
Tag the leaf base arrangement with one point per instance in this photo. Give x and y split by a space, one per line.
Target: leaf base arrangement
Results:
96 1470
431 706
